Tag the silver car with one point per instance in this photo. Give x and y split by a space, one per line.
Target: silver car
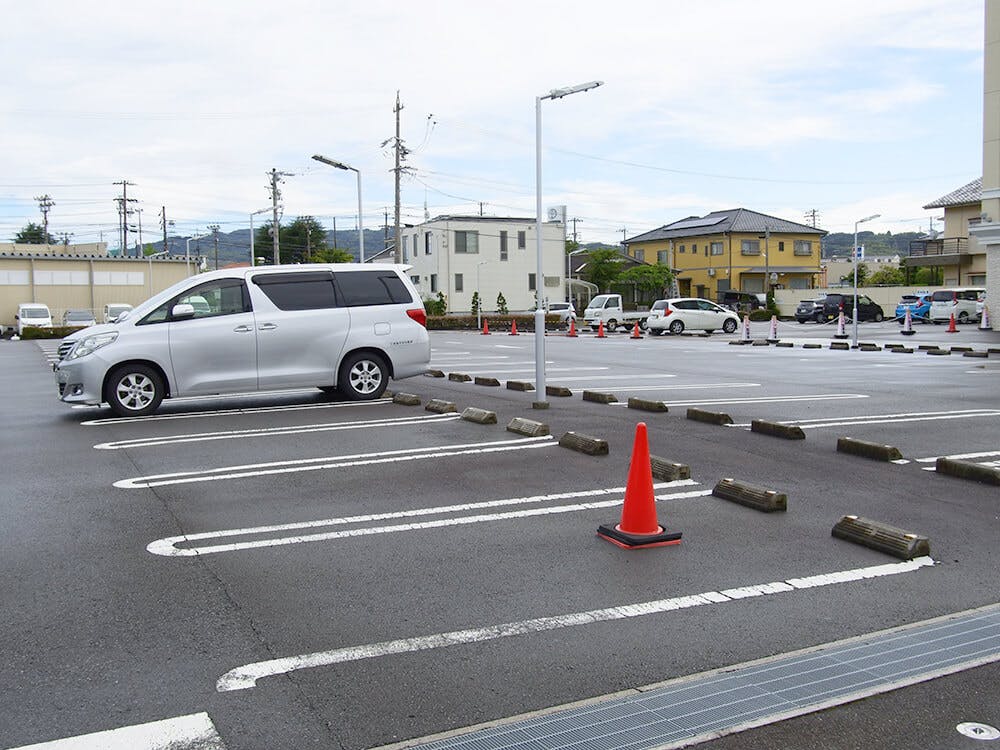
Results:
344 327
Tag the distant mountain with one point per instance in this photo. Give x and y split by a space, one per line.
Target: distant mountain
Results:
840 243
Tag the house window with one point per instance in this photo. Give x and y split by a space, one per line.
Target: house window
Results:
803 247
531 282
467 242
781 247
716 248
415 280
434 283
750 247
427 244
662 257
682 249
459 283
694 248
522 240
503 245
640 255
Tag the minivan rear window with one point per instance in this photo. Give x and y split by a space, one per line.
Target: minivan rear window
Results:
945 295
311 290
372 288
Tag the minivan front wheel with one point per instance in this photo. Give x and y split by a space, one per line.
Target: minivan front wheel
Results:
134 390
363 376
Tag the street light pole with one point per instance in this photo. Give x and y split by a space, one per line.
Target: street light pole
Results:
187 252
855 253
479 307
542 402
361 230
253 259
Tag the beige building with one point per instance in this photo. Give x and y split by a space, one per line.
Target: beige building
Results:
86 280
956 252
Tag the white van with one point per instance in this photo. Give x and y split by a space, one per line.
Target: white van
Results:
346 327
113 310
32 314
957 301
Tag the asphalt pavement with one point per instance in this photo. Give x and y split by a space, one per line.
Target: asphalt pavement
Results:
289 570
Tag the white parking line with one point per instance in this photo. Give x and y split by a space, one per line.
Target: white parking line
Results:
227 412
958 457
272 431
332 462
167 547
191 732
759 399
810 424
247 676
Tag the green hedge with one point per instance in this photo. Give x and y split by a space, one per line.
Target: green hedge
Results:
56 332
496 322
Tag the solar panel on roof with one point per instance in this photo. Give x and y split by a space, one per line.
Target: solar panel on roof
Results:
706 221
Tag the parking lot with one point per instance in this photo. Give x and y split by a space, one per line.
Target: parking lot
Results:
290 570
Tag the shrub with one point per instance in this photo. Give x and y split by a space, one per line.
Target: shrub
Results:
499 323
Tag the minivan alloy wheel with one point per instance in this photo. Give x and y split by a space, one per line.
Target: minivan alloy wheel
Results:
363 377
134 390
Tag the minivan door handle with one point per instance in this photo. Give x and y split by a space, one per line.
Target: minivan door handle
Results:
267 326
243 329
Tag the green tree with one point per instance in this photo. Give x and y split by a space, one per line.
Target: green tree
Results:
862 275
475 303
332 255
34 234
502 304
298 241
438 306
603 268
886 277
651 280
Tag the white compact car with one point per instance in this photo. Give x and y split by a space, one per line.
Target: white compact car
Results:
346 327
689 313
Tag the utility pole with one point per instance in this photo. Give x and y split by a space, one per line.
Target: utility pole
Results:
64 238
275 196
163 224
385 242
574 229
124 212
399 158
812 216
45 203
334 232
214 229
308 244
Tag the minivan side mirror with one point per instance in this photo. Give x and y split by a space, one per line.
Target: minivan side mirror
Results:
183 310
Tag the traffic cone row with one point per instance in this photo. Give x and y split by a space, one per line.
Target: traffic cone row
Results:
746 329
639 527
773 336
984 323
635 332
841 333
907 324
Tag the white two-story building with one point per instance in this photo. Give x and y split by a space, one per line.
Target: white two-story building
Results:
458 255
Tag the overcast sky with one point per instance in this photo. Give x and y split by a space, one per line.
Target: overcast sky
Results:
848 108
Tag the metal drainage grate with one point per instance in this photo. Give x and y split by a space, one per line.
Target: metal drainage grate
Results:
687 710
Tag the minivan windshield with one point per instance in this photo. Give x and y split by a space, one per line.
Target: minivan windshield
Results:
34 312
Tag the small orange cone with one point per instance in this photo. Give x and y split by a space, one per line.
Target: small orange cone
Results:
572 328
486 327
513 327
600 330
635 332
951 325
639 527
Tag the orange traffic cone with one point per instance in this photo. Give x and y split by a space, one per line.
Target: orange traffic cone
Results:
951 325
572 327
513 327
635 332
639 527
486 327
600 330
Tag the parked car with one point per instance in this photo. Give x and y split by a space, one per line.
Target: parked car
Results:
346 327
564 310
957 301
78 319
682 313
919 306
113 310
742 301
32 315
810 309
867 309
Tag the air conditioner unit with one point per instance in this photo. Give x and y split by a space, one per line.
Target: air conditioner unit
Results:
711 272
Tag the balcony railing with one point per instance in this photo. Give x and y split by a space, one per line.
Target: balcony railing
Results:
943 246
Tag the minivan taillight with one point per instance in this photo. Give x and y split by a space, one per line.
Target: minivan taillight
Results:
419 314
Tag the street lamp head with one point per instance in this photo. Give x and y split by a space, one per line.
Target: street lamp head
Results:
869 218
560 93
332 163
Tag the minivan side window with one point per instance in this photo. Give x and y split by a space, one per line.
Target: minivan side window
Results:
311 290
361 288
209 300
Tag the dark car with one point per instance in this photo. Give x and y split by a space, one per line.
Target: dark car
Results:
810 309
742 301
867 310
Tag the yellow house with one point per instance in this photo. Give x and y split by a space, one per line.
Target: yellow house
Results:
959 255
738 249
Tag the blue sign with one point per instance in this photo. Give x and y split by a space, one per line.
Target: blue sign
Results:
859 252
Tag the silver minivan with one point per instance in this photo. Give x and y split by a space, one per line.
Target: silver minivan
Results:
344 327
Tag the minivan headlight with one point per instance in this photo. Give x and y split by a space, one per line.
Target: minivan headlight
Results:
91 344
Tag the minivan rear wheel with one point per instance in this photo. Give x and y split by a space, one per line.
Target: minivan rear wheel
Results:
134 390
363 376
